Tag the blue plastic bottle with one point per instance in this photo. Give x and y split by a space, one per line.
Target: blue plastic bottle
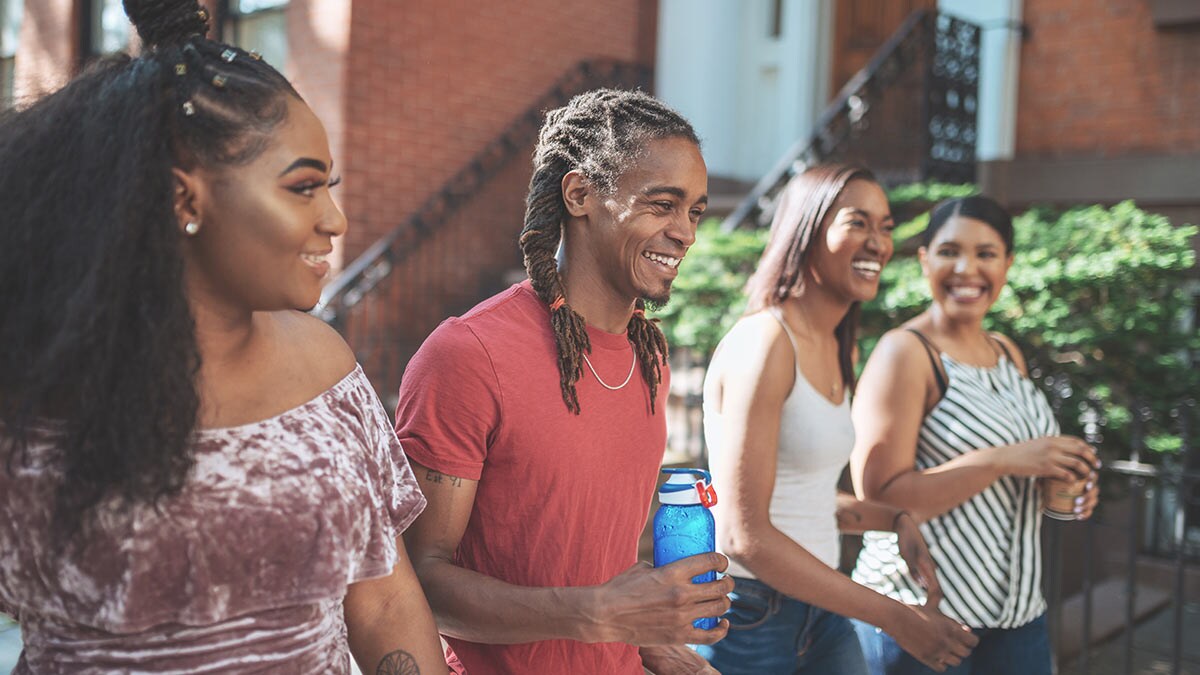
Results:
683 525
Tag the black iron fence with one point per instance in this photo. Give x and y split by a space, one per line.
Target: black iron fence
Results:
1137 562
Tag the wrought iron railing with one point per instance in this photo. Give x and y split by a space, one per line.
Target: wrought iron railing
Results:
364 303
909 114
1146 534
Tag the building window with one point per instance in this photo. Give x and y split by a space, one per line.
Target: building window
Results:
260 25
106 29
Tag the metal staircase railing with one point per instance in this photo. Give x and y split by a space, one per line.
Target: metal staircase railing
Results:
380 312
374 264
909 114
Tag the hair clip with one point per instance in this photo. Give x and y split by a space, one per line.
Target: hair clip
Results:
255 55
202 14
219 81
228 56
558 302
189 108
181 69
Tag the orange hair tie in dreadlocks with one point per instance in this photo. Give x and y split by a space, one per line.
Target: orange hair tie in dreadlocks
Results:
639 312
558 302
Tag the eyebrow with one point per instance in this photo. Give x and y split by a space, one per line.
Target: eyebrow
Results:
671 190
952 242
305 162
855 209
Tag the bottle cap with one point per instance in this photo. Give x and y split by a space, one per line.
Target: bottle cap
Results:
687 486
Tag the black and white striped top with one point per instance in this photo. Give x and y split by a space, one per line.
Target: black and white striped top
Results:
987 550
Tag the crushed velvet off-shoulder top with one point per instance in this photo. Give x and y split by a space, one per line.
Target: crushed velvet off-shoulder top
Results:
242 571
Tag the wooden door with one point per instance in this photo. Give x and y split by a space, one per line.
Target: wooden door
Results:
861 27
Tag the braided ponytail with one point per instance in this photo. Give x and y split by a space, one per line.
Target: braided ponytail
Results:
600 134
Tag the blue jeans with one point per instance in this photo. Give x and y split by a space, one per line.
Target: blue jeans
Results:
1001 651
772 634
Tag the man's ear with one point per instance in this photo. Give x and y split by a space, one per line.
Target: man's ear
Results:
575 192
187 187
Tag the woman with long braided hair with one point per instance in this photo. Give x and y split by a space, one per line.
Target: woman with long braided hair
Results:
195 477
536 419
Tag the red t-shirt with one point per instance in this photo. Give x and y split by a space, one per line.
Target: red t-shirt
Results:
561 498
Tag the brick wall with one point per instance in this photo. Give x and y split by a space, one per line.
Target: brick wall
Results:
1097 79
427 89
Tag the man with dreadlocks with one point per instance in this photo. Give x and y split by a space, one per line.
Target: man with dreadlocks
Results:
533 436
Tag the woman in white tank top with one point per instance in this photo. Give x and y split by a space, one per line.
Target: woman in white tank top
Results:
777 420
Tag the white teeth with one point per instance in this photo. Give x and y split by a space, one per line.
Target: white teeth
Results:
314 259
867 266
966 292
663 259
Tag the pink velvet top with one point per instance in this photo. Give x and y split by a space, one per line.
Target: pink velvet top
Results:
244 570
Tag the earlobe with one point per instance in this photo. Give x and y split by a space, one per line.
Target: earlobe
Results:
923 259
575 190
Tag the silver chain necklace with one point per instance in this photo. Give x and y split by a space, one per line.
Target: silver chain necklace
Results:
605 384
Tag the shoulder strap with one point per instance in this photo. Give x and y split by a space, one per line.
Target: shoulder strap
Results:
775 312
1004 347
933 359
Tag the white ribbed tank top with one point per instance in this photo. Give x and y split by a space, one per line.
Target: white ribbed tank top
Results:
815 440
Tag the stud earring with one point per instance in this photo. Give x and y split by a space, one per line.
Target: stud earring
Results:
191 228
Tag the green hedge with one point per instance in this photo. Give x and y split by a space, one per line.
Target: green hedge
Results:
1096 299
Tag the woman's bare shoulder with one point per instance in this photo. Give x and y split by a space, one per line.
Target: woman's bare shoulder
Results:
315 347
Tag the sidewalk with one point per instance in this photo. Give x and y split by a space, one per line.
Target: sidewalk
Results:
1152 642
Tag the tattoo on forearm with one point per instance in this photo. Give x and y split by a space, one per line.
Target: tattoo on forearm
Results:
398 662
439 477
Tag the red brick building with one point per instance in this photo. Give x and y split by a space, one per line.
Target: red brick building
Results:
1108 106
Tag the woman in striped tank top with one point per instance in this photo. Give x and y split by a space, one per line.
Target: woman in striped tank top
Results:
950 428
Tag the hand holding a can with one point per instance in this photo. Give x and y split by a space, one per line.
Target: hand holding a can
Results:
1062 458
1070 494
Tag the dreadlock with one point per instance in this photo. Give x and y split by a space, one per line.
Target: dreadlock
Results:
600 134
